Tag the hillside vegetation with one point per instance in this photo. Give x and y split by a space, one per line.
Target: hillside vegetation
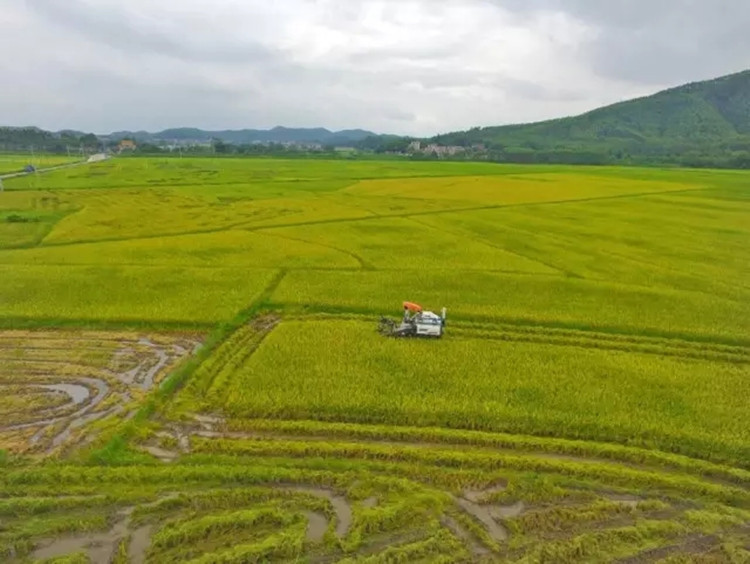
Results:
698 124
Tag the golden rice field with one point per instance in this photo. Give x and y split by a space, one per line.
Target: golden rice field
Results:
190 369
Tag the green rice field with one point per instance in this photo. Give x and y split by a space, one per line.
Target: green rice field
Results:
190 368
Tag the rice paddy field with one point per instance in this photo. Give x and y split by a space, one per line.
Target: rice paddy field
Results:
15 162
190 369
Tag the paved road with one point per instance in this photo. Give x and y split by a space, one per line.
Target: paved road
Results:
47 169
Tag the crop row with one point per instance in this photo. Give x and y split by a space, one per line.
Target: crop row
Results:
208 384
487 461
436 436
221 505
305 370
503 298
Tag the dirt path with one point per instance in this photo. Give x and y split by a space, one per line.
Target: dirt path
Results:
42 170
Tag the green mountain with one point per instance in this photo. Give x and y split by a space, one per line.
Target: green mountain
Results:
240 136
697 124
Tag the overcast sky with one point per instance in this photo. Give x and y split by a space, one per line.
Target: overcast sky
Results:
414 67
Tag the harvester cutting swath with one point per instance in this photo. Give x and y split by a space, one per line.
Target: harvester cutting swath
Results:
415 323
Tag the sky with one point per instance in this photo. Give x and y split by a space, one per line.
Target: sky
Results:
410 67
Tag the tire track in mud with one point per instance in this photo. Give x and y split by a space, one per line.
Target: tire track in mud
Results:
86 394
101 547
475 503
340 505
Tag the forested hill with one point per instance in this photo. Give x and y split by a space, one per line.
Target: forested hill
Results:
698 124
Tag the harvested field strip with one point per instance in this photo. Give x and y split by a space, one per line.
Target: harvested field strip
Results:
99 374
182 513
676 345
527 300
212 378
608 341
316 430
486 461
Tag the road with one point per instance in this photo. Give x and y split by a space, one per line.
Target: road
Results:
47 169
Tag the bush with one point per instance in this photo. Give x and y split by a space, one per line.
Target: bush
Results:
15 218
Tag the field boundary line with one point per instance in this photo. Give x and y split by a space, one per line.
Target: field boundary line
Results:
364 265
352 181
249 226
556 237
410 214
476 238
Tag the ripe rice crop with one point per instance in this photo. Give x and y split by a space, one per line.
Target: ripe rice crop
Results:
680 405
128 294
587 402
544 300
16 162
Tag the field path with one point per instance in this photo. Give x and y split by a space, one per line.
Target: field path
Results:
41 170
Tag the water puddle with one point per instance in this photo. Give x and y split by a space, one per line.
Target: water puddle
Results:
340 507
63 436
139 543
507 511
99 547
163 358
459 531
77 393
102 389
482 514
138 364
317 524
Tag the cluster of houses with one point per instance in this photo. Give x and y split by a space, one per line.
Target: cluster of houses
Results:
435 149
126 145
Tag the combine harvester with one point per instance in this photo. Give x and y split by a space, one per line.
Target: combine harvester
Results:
416 323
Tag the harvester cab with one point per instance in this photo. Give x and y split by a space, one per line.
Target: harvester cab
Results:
415 323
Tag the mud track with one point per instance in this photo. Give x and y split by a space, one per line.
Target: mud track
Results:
99 374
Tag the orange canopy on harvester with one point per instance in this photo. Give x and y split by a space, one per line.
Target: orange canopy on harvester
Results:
414 308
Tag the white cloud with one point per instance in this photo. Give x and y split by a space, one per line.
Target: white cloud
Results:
404 66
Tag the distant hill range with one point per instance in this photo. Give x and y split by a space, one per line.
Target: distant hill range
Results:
701 123
704 124
26 138
242 136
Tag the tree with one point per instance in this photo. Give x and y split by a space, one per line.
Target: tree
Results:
220 147
89 141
